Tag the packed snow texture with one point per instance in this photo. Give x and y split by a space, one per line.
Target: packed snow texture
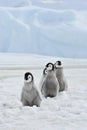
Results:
46 27
67 111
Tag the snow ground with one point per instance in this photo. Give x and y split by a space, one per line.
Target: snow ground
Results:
67 111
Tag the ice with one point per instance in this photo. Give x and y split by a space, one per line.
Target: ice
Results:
44 27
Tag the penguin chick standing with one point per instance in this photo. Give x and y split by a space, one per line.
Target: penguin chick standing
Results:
30 96
60 76
43 78
50 86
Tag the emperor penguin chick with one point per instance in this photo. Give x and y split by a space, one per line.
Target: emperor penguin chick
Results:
50 86
30 96
60 76
44 74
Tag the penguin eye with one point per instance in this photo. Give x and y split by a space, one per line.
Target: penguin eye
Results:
50 66
29 77
45 71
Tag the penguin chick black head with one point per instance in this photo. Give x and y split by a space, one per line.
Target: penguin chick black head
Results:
28 77
50 66
58 64
45 71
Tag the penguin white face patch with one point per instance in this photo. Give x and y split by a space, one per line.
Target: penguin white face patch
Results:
49 67
45 71
58 64
28 77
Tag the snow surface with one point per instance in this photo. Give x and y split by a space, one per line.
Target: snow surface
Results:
67 111
46 27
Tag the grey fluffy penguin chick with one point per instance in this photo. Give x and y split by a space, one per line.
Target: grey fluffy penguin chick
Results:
44 74
60 76
30 96
50 86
